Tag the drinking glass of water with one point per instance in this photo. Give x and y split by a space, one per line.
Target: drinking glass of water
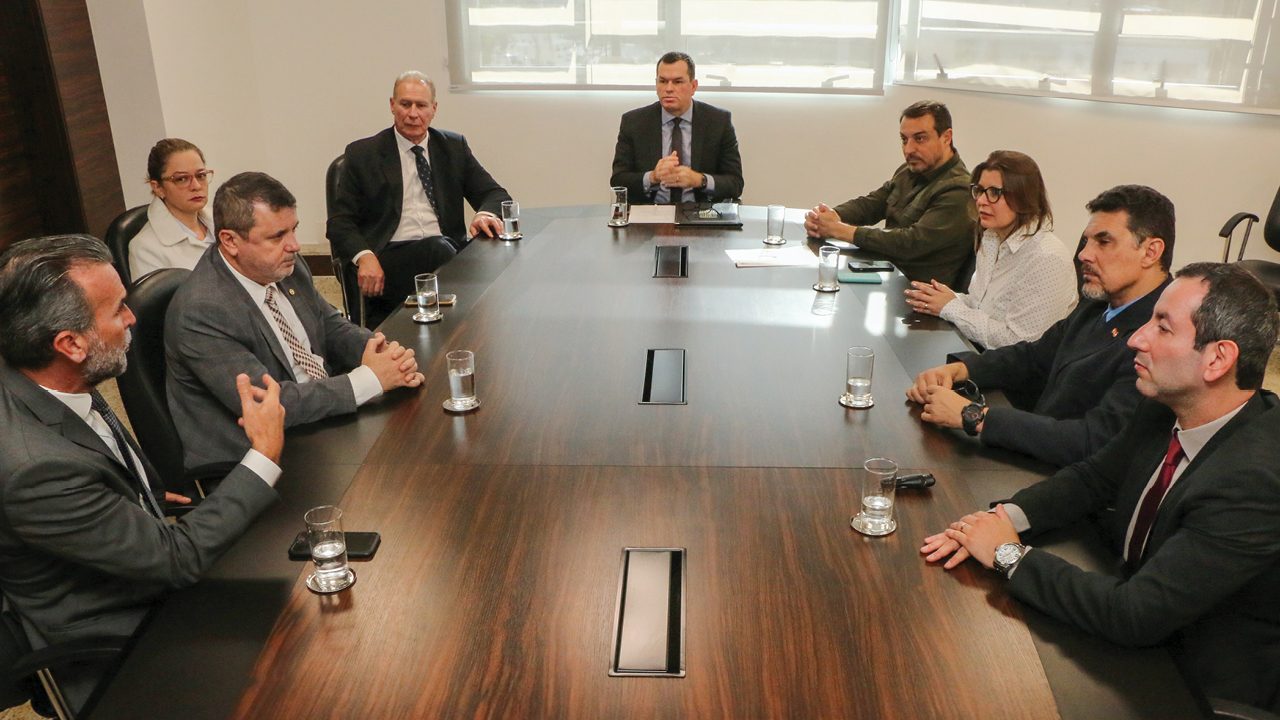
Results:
621 213
328 550
510 221
828 270
859 362
427 289
879 482
775 223
462 381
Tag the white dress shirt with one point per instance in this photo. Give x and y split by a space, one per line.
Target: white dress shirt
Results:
165 242
82 405
417 217
1020 288
364 382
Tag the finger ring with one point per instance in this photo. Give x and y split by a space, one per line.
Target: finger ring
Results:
963 525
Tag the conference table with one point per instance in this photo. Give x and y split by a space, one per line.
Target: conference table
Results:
496 587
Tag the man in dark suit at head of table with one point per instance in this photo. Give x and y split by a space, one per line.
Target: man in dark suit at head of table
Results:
1194 481
677 149
398 211
1072 390
84 544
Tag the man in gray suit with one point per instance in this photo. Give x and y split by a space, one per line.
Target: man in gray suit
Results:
84 546
250 307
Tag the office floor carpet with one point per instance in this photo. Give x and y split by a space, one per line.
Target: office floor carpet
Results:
329 288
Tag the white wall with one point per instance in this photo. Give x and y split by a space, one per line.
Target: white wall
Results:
282 86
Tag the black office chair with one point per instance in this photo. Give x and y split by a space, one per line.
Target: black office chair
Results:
1266 271
1228 710
142 387
120 233
353 303
27 675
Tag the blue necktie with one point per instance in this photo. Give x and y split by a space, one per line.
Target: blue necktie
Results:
424 174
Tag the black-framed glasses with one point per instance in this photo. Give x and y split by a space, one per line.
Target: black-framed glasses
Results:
993 193
184 180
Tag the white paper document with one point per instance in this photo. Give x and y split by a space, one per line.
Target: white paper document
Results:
797 256
643 214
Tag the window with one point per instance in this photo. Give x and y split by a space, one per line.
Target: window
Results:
1196 53
839 45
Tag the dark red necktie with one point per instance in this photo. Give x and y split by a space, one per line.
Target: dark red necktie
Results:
1151 502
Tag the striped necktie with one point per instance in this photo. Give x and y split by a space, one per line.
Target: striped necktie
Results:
125 447
312 365
424 175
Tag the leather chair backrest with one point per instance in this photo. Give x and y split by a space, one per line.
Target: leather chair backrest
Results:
120 232
1271 225
331 184
142 386
343 270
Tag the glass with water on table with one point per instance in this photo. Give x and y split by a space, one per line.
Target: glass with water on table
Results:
859 364
462 381
828 270
328 550
879 484
427 295
620 213
775 225
510 221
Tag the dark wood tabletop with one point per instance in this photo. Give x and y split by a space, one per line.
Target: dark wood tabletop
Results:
493 593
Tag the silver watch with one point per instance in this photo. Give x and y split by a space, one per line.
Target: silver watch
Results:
1007 556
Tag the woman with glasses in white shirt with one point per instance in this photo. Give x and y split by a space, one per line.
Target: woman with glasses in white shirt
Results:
178 228
1024 281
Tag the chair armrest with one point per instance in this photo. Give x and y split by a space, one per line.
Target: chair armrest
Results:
75 651
1229 710
1235 220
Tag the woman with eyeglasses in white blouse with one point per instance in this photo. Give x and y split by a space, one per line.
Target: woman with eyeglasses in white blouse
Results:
1024 281
178 228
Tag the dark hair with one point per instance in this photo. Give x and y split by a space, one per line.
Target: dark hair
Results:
234 201
1023 187
674 57
941 115
1239 308
38 298
162 151
1150 215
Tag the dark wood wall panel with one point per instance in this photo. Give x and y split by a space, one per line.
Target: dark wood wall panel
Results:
19 207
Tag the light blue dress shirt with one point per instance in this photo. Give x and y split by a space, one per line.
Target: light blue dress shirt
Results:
686 131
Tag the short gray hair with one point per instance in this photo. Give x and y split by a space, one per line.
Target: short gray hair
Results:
414 76
38 298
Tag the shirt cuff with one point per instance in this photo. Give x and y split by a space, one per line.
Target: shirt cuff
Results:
365 384
1017 517
261 466
484 212
711 182
359 255
648 181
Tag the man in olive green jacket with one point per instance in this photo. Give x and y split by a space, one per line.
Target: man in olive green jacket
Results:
930 219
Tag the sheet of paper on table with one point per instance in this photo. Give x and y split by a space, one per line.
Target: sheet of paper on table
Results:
796 256
643 214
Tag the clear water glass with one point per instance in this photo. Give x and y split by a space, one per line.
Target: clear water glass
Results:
859 363
510 221
427 294
328 550
462 380
775 225
828 270
879 483
620 214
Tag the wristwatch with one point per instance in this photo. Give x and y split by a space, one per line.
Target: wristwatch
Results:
703 186
1008 556
971 416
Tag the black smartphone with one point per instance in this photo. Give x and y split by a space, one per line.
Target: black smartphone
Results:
360 546
870 266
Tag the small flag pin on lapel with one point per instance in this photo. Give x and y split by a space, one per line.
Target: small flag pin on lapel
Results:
1114 332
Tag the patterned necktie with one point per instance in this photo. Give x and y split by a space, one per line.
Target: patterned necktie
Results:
1151 502
101 407
677 147
424 174
307 360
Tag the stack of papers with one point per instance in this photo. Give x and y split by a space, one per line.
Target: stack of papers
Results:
649 214
795 256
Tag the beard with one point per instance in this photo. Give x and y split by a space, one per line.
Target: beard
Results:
1092 291
105 362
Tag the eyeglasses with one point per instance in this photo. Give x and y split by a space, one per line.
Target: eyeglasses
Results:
184 180
993 193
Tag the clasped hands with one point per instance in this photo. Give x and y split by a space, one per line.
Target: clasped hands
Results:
671 173
932 389
975 535
823 222
393 363
929 297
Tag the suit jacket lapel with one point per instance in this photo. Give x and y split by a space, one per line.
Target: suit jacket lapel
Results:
251 311
389 154
698 149
295 290
441 169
